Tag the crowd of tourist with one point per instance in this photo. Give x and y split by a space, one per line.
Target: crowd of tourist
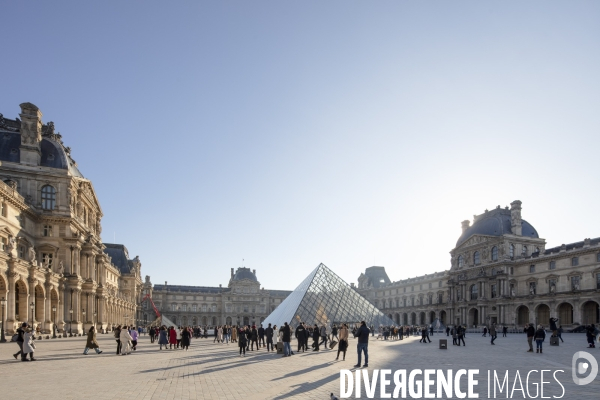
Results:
278 339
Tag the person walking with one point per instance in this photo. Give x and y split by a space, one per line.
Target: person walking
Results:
178 333
485 331
163 338
134 338
334 333
530 331
461 335
504 330
493 333
220 334
447 331
269 337
323 336
560 332
91 342
152 333
343 345
216 334
126 339
539 337
424 335
363 343
454 336
234 334
28 344
20 339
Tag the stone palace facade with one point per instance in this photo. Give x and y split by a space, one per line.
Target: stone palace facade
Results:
501 272
54 269
243 301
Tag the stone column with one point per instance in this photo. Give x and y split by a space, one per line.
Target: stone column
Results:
10 304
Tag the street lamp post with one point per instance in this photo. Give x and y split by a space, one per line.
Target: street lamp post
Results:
83 313
54 325
70 322
32 306
2 303
94 318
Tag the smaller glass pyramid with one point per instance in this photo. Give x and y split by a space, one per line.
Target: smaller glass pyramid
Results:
323 298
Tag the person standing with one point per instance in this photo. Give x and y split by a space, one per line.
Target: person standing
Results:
125 341
334 333
343 345
454 336
363 343
234 334
316 338
254 337
152 333
261 336
216 329
560 332
447 331
493 333
118 339
300 337
504 330
286 338
324 336
485 331
553 327
460 335
269 337
162 338
431 329
220 334
173 337
530 331
91 342
242 342
186 338
539 337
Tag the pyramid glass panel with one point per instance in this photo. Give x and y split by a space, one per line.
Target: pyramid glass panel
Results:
324 298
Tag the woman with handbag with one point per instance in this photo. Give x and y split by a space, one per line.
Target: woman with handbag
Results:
91 342
343 345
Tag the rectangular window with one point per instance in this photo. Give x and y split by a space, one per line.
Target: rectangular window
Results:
47 230
531 269
204 308
552 285
598 281
21 251
185 307
552 265
194 308
47 259
575 282
4 243
440 298
575 261
493 291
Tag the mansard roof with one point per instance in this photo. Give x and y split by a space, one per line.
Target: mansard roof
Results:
119 257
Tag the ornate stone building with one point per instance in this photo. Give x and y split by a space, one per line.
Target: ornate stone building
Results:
54 268
502 272
243 301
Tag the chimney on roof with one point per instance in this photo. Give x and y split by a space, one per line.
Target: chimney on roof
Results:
232 272
254 272
515 218
465 225
351 284
220 285
165 283
31 134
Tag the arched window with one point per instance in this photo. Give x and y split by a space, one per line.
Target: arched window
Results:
511 250
461 262
476 258
473 292
524 251
494 253
48 197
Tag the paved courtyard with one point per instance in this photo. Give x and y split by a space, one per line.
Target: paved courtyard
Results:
215 371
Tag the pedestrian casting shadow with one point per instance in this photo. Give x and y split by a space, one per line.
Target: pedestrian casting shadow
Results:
303 371
306 387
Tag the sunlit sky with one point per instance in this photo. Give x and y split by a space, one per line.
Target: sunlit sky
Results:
287 134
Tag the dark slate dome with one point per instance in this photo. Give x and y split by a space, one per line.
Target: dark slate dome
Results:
244 273
495 223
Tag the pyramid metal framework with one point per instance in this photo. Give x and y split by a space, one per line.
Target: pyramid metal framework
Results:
325 298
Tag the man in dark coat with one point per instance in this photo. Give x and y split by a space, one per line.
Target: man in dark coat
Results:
261 336
254 337
286 338
530 330
300 337
269 335
316 338
363 343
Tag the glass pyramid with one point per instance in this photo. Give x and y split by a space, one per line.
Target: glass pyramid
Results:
324 298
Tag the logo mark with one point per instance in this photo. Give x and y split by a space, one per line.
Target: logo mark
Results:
582 367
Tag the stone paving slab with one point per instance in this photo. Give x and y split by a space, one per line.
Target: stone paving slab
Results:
215 371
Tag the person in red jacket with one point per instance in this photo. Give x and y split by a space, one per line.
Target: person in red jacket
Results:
172 337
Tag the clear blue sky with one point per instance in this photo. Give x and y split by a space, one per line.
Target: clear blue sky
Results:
293 133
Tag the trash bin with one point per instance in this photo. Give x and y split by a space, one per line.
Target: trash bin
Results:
443 344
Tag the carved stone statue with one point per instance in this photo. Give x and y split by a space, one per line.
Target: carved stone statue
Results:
31 255
552 287
512 290
532 288
61 267
10 245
